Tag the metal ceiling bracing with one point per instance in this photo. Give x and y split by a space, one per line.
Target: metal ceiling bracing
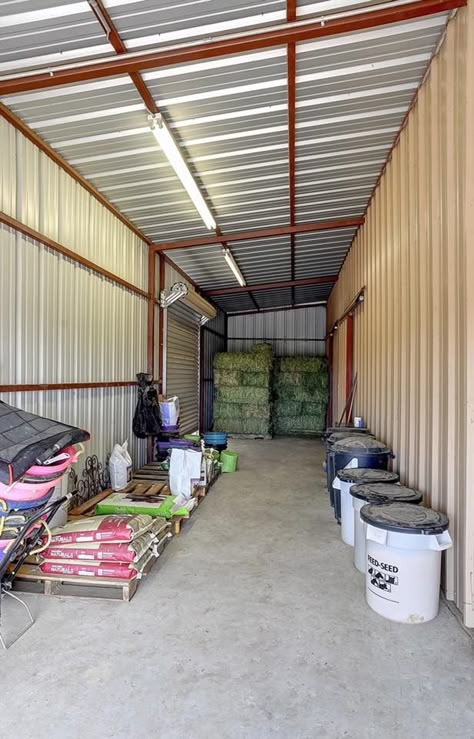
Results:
230 116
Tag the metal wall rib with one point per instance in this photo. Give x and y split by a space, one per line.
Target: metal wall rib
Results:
290 333
413 333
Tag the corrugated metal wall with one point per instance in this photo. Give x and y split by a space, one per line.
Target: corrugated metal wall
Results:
60 322
414 255
182 363
213 340
290 332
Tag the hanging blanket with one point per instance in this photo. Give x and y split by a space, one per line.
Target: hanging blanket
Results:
27 439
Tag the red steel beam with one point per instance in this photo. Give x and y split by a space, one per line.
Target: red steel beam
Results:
263 233
63 386
330 356
161 324
151 313
273 285
276 36
107 24
349 362
65 252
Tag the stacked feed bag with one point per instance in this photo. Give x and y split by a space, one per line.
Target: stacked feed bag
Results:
301 390
243 395
104 546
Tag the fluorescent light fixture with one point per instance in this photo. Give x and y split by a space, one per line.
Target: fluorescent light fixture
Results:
234 267
172 153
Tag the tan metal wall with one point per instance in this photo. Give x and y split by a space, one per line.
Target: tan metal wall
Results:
414 334
60 322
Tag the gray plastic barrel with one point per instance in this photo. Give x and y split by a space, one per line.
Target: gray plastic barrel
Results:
355 451
376 493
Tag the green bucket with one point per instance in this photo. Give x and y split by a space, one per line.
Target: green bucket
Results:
229 461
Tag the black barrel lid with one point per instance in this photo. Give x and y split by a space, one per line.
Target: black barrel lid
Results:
360 443
339 435
382 492
361 475
405 518
336 429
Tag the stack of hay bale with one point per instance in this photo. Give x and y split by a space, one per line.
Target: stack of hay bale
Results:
301 387
243 400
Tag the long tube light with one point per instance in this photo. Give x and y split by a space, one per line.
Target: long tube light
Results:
234 266
172 153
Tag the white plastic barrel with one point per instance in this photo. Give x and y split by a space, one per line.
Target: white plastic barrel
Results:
403 566
345 479
359 535
377 493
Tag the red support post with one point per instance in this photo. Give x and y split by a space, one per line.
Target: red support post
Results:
349 362
330 355
161 322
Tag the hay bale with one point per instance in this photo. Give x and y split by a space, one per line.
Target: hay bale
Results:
245 361
262 349
300 425
254 395
229 378
314 408
243 426
225 411
256 379
316 365
228 410
292 392
289 408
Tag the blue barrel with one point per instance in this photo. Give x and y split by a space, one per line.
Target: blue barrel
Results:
368 451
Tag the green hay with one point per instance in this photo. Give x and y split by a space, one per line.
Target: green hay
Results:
297 392
243 426
245 361
313 383
256 379
242 410
284 408
227 410
254 395
228 378
236 378
315 408
300 425
316 365
262 349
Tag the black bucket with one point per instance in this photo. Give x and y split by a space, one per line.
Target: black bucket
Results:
368 451
340 433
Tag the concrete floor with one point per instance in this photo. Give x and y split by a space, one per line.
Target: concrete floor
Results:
254 625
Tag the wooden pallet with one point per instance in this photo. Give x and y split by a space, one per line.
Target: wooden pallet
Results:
200 492
151 471
30 579
138 487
